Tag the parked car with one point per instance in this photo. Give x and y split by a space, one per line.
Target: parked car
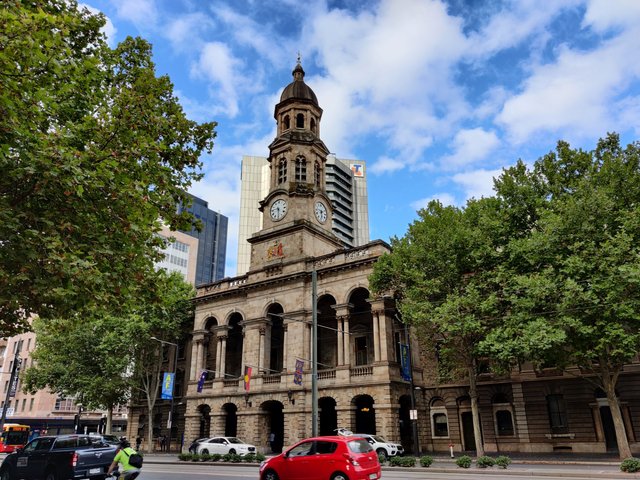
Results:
223 445
193 448
324 458
108 439
381 446
59 457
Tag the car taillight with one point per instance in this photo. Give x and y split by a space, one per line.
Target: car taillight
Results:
74 459
351 460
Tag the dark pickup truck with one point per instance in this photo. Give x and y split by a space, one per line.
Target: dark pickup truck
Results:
60 457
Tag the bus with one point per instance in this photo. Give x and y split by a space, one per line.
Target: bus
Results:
13 436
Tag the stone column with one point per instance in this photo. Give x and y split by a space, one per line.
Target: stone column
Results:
344 342
376 336
261 350
285 357
223 354
382 325
520 413
196 354
340 340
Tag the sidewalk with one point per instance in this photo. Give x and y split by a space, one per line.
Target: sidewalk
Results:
601 466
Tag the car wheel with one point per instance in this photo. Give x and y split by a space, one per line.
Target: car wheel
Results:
382 453
51 475
232 451
5 474
204 451
270 475
339 476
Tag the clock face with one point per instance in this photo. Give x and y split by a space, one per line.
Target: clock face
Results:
278 209
321 212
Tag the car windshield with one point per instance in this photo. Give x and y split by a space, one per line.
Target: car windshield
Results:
359 446
379 439
234 440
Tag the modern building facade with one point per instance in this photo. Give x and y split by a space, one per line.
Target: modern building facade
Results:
212 241
346 186
181 254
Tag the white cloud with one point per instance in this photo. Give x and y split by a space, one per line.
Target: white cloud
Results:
576 93
444 198
184 31
218 65
385 165
469 147
602 15
142 13
478 183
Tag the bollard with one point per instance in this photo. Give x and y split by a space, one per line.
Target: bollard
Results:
451 449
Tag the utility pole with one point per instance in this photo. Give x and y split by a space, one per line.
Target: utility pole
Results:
173 387
314 353
13 383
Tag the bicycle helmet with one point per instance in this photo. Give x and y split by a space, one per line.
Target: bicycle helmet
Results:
124 443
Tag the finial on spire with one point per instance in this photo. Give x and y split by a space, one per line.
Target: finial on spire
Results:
299 61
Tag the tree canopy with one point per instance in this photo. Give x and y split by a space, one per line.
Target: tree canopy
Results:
95 151
547 271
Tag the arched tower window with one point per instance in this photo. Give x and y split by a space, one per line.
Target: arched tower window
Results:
301 169
316 174
313 125
282 171
300 120
287 122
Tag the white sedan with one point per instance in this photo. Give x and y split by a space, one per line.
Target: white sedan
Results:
223 445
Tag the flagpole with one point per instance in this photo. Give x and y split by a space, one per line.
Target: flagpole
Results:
314 354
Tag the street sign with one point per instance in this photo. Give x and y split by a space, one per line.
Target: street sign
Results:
413 414
10 411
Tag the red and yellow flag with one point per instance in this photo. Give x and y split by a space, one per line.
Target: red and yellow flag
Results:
247 378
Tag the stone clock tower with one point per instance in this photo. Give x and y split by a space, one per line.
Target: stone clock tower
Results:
297 211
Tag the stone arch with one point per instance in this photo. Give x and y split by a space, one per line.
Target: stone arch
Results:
235 340
313 126
230 411
287 122
301 169
272 421
327 333
274 339
365 414
361 327
328 416
204 420
210 345
300 120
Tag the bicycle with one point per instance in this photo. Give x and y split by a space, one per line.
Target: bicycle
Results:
128 475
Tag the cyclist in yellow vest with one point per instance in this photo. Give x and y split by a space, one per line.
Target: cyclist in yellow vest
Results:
129 472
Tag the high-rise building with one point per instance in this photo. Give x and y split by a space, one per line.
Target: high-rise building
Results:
212 241
181 254
346 186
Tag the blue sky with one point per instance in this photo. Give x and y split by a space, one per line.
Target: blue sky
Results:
436 96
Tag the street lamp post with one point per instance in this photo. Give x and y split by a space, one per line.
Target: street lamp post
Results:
173 387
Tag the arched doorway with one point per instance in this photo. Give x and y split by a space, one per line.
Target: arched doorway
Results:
328 416
230 419
365 421
466 423
274 423
205 421
361 328
233 358
406 428
327 333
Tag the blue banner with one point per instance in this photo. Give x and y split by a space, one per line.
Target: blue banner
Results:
167 385
297 376
405 362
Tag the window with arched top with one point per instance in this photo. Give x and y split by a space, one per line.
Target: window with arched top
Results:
301 169
439 418
282 171
287 122
316 174
300 120
313 125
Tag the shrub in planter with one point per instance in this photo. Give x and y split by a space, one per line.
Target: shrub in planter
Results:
260 457
426 461
249 457
382 458
630 465
484 461
408 461
184 457
215 457
464 461
395 461
205 457
195 457
503 461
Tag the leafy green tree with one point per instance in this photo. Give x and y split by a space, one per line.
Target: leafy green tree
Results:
442 274
573 276
95 149
101 359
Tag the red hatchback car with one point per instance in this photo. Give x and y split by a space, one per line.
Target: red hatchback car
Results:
324 458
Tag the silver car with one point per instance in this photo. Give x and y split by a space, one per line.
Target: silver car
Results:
224 445
382 446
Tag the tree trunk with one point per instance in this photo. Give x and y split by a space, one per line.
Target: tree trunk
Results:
473 393
621 433
109 425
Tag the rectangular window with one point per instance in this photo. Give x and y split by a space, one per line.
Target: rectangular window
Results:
31 402
440 425
557 414
361 351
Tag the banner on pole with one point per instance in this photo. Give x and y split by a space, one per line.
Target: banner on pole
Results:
247 378
297 376
405 362
167 385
